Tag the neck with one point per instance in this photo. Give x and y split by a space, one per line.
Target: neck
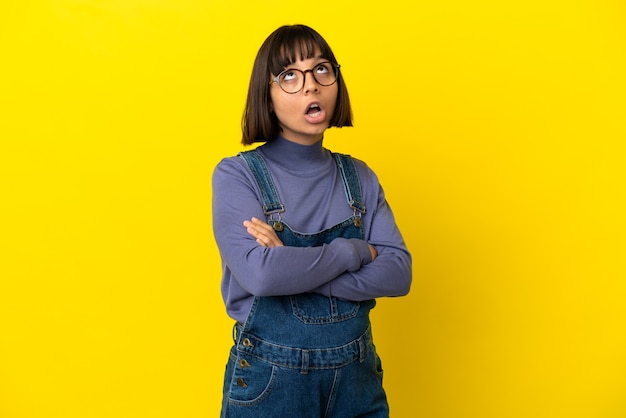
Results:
295 156
304 140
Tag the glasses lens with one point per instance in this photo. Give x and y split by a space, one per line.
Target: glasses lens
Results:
292 81
325 73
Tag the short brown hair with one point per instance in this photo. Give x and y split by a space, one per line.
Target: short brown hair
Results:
282 48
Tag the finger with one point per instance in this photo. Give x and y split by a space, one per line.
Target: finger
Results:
254 231
263 233
260 232
373 252
262 225
263 228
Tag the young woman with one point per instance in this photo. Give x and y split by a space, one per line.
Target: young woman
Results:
307 242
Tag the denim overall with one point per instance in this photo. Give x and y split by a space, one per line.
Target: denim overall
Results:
305 355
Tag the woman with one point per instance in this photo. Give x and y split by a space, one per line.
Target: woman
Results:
307 242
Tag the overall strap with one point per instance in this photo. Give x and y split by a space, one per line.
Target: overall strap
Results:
351 182
271 200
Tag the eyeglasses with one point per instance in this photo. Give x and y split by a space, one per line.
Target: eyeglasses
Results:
292 80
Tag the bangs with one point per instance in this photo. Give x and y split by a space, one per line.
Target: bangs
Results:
297 44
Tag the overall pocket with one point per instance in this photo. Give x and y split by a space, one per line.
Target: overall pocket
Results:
312 308
252 380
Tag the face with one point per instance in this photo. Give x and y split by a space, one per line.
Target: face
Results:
305 115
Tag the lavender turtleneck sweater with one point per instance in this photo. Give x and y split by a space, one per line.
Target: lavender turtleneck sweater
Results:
312 192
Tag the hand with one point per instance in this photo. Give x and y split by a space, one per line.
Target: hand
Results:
263 233
373 251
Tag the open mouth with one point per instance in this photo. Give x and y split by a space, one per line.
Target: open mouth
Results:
314 110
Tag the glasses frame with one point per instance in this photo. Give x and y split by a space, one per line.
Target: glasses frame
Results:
303 72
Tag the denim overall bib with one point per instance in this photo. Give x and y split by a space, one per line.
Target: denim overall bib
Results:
305 355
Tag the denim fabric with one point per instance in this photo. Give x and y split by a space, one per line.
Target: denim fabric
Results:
271 201
305 355
350 181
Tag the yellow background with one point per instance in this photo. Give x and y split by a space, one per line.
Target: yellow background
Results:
497 129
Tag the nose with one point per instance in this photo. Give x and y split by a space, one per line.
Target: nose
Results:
310 84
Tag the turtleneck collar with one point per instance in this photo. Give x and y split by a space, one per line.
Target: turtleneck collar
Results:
297 158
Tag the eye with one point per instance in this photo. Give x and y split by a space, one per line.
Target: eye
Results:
288 76
323 68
